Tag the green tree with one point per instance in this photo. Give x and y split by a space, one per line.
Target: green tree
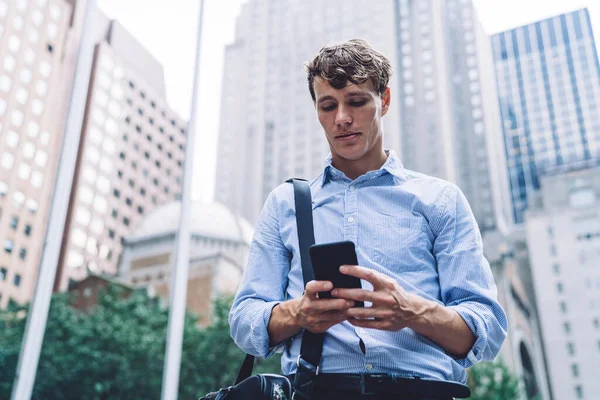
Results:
117 351
493 381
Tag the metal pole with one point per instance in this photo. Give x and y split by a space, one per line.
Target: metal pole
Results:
40 304
178 288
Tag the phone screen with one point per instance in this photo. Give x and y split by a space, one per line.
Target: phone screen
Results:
327 259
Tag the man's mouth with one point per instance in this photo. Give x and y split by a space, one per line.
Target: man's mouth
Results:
347 136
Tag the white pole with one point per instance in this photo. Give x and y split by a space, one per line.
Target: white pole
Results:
40 304
178 288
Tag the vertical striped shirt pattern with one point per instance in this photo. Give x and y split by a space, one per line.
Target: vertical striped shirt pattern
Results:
417 229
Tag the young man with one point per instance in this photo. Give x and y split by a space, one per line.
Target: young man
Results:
433 302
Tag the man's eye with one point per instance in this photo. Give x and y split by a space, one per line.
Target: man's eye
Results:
330 107
359 103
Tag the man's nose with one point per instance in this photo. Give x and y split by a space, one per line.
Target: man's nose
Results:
343 116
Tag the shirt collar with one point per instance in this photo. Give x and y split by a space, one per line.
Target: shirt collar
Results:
392 165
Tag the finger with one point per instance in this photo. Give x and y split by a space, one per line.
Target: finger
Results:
369 312
313 287
333 317
377 279
370 323
363 295
326 305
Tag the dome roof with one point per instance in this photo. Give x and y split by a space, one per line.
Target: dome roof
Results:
212 220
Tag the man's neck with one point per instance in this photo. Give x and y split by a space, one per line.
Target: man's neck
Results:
354 169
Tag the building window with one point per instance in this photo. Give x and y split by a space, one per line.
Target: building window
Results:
563 307
596 323
116 193
8 245
111 234
128 201
579 392
126 221
8 160
23 253
140 210
2 274
559 287
17 280
556 269
567 327
32 206
27 230
571 348
14 222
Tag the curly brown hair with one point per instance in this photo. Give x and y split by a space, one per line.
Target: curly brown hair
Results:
355 61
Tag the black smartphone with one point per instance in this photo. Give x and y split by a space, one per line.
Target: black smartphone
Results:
327 259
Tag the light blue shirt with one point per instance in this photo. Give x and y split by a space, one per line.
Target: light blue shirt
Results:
417 229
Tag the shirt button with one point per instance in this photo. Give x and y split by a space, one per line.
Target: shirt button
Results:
350 219
369 366
351 188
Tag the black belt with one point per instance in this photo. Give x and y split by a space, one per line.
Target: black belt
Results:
380 384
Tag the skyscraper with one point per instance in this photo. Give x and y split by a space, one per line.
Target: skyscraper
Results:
269 131
35 67
450 124
444 119
548 83
130 155
563 234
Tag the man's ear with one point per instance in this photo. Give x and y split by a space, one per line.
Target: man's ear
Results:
385 100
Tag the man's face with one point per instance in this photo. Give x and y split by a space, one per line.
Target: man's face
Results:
351 118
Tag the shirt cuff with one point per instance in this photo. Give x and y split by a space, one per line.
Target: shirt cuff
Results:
259 331
475 323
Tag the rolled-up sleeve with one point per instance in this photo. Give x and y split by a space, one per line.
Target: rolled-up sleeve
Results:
466 282
263 285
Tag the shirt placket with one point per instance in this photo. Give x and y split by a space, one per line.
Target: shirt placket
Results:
351 233
351 214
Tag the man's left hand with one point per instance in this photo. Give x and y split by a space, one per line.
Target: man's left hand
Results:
392 307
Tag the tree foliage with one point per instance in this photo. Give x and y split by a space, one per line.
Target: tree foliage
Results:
117 350
493 381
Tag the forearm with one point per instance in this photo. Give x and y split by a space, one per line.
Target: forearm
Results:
283 323
445 327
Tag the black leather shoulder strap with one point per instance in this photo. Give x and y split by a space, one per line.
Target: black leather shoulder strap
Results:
312 344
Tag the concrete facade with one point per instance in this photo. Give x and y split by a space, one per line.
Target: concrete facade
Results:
563 237
218 254
37 44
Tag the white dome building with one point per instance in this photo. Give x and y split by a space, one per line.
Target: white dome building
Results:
218 253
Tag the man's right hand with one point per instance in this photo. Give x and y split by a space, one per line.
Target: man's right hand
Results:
318 315
308 312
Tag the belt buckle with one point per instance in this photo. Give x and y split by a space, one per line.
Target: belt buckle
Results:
366 383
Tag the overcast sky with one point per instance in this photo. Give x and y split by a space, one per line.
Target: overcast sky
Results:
167 28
